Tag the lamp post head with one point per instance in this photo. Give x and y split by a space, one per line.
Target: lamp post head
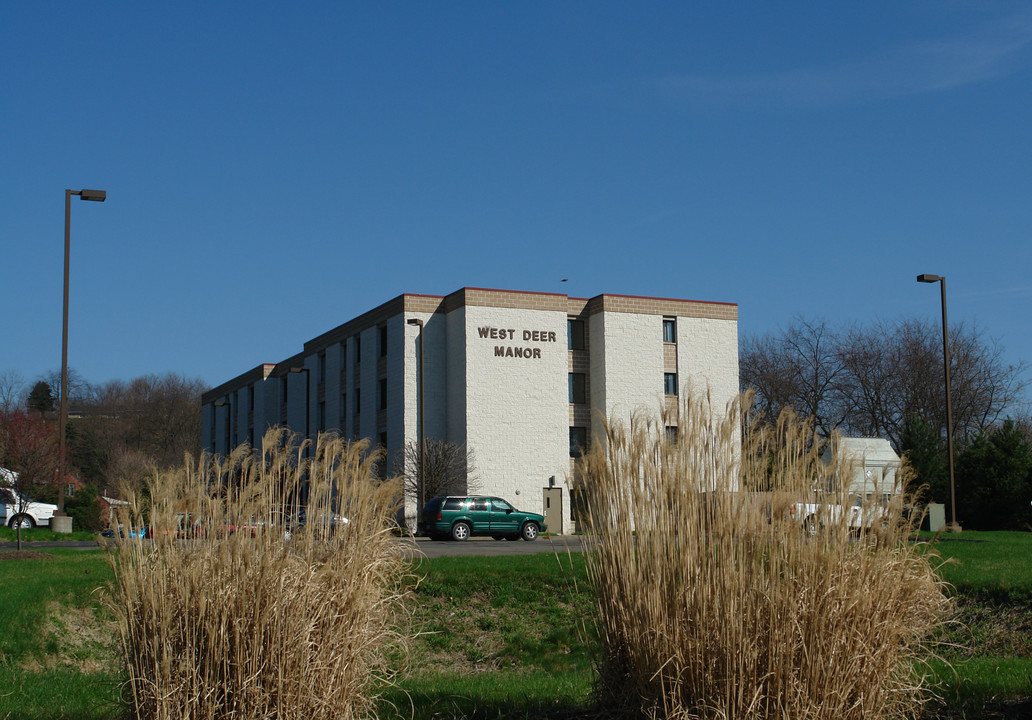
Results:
415 321
298 369
927 278
94 195
220 403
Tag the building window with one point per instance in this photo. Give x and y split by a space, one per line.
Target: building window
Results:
578 388
383 440
670 383
343 355
321 368
343 408
671 434
322 416
383 341
383 393
575 334
358 401
283 390
669 330
578 441
69 490
358 349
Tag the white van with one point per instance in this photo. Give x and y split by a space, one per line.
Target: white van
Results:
18 510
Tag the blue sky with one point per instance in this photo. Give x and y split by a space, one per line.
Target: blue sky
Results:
272 171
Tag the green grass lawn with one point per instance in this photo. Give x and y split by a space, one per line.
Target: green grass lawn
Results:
9 535
500 638
993 565
57 657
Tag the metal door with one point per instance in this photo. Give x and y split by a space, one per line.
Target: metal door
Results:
553 502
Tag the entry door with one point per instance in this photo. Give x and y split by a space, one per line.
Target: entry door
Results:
553 502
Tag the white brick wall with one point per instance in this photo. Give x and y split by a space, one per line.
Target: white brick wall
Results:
633 371
707 359
517 416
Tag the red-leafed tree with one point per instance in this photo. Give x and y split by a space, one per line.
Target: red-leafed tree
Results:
28 451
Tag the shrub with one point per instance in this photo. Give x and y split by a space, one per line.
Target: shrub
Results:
85 509
714 604
236 610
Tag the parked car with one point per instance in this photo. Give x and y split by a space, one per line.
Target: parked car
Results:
16 510
459 517
128 532
323 526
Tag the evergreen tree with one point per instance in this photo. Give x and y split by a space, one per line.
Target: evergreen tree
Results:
41 398
994 481
926 451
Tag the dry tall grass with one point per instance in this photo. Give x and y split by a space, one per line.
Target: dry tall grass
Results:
713 604
223 617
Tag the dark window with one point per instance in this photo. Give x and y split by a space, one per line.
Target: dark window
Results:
358 401
575 334
321 368
454 503
481 504
383 394
358 349
578 441
671 434
322 416
670 383
669 330
283 390
343 408
383 341
578 392
383 440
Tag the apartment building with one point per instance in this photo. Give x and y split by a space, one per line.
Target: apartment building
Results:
522 378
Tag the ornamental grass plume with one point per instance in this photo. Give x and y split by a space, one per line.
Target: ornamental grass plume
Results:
237 610
712 600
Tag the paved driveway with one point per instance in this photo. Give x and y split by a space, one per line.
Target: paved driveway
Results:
488 546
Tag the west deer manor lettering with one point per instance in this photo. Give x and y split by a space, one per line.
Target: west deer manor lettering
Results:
539 336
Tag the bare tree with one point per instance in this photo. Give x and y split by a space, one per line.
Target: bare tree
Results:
894 375
875 380
450 469
12 387
800 368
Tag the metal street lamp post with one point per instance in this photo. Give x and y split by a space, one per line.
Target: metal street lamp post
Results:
224 402
927 278
422 440
308 391
95 196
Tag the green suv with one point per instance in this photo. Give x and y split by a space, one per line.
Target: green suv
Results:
458 517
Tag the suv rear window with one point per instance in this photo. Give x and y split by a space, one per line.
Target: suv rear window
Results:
432 505
454 503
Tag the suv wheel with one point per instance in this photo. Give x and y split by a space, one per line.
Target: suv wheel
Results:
530 531
460 531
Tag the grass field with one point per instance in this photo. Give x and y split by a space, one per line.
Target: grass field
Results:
42 534
500 638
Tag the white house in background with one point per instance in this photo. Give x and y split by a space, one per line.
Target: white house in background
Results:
875 466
